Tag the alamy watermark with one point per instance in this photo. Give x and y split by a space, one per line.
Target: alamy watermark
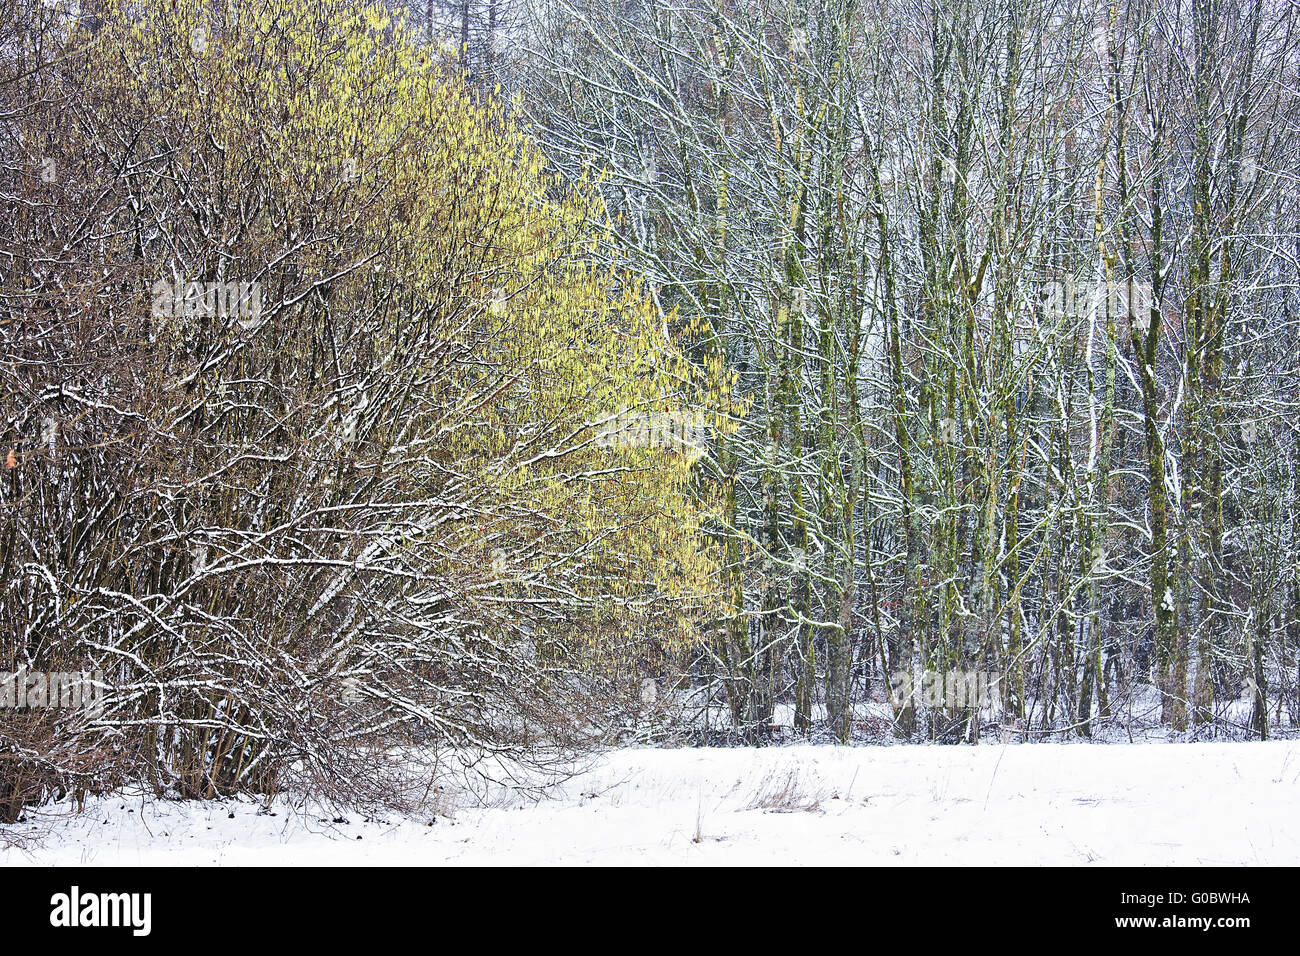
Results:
75 909
67 690
683 431
236 300
1083 298
956 688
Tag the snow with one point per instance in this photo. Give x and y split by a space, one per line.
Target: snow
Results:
1139 804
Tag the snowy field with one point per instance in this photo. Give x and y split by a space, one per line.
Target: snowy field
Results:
1177 804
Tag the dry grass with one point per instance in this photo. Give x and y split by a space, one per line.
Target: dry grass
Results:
778 794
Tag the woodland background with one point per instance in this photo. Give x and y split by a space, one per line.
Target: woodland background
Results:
382 525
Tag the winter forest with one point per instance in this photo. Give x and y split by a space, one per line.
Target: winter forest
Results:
391 389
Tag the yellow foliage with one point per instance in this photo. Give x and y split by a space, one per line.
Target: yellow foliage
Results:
334 112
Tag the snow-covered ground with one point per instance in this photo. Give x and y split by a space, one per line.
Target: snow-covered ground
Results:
1188 804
